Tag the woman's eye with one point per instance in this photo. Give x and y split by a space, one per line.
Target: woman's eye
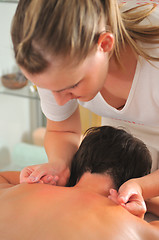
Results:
75 85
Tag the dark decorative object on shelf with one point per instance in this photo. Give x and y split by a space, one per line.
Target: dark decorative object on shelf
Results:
14 80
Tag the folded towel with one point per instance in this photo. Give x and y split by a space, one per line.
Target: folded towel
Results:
24 155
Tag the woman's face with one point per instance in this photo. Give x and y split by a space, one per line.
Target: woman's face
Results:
66 82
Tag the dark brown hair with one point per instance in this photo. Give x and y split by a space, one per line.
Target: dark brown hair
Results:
113 151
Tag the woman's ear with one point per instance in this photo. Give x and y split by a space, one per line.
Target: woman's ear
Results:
106 42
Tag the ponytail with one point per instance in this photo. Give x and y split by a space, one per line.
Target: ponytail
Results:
126 28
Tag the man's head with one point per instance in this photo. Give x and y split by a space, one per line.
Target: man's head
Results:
112 151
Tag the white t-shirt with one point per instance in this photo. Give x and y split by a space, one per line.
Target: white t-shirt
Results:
142 105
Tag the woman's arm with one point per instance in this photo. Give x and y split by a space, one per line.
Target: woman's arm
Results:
148 186
153 206
132 193
62 140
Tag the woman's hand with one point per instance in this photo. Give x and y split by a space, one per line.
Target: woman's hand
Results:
130 197
48 173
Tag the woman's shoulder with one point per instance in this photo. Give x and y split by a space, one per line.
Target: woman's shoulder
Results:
52 110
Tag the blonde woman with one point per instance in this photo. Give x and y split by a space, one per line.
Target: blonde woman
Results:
88 52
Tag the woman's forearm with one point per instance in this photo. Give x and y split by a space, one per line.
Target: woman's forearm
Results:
62 139
149 185
153 205
61 146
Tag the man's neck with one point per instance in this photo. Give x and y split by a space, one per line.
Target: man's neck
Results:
99 183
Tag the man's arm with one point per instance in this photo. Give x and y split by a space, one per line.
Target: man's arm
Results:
8 179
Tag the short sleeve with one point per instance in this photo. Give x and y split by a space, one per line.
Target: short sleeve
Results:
52 110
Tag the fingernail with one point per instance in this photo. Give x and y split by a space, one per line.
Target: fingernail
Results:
123 204
32 178
122 199
49 178
56 178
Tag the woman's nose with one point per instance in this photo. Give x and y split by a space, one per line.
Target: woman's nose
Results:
62 98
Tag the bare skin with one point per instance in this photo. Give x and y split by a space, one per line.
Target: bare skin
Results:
119 80
40 211
153 205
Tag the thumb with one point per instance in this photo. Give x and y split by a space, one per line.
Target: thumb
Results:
24 174
36 176
125 195
123 198
136 207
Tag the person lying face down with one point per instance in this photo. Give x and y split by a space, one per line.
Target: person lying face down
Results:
44 211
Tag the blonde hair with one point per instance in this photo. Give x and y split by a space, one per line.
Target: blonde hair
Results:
71 28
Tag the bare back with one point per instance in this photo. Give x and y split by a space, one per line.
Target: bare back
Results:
40 212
